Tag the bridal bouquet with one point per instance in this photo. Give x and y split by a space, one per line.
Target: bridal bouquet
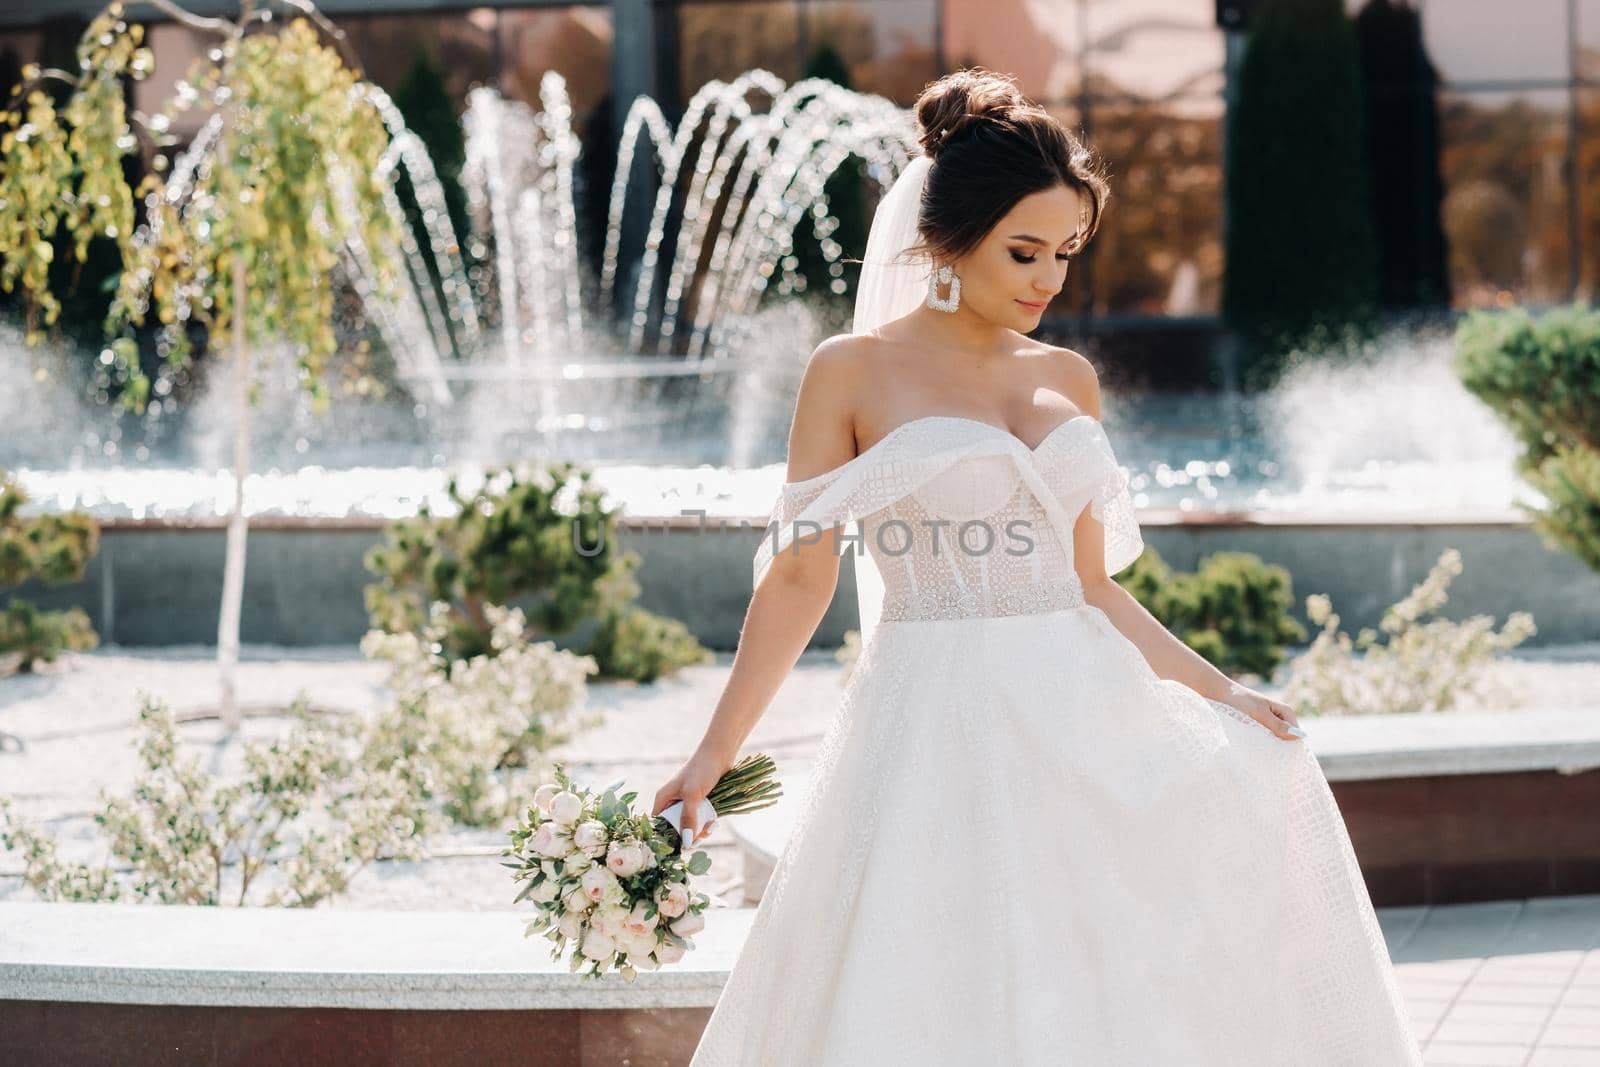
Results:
614 883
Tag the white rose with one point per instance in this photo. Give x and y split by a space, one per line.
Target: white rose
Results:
667 952
576 900
634 945
575 863
674 901
542 795
624 860
571 925
565 807
608 919
543 892
551 841
591 837
689 924
598 946
597 883
640 924
644 961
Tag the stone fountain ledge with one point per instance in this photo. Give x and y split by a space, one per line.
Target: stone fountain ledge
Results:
328 958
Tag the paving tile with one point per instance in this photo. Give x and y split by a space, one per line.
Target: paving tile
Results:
1502 1031
1454 1054
1519 1013
1507 993
1459 931
1579 1036
1546 1056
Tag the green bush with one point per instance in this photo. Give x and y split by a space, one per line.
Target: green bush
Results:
1542 378
544 542
46 548
1234 610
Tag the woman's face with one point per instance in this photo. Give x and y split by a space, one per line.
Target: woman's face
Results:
1021 264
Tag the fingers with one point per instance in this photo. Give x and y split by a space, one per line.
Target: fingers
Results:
1277 724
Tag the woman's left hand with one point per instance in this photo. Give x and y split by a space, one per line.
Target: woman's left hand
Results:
1270 712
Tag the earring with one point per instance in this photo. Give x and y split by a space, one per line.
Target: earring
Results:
945 275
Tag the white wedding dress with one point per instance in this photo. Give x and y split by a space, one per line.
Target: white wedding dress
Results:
1021 846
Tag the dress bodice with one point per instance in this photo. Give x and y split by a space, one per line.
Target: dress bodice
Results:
962 518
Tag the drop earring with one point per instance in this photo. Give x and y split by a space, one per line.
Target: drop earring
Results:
947 276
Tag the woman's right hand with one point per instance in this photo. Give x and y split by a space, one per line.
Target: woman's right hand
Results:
692 783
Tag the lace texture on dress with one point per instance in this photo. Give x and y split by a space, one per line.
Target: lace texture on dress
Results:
963 519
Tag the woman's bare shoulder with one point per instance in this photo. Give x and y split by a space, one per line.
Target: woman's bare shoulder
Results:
822 435
1075 376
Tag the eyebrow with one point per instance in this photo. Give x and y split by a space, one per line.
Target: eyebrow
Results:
1037 240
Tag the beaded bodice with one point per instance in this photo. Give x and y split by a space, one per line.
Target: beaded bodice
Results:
962 518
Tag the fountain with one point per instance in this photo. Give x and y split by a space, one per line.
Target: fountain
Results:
668 364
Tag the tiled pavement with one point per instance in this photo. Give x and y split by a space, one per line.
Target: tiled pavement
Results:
1513 982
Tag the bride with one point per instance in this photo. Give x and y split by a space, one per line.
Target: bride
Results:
1040 830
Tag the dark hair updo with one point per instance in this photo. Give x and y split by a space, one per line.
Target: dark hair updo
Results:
991 147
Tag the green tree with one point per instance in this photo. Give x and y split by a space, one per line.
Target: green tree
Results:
245 249
1402 138
1301 257
1542 377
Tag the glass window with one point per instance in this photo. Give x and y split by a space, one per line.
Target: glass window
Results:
1589 195
888 47
460 45
723 40
1589 40
1159 248
1505 209
575 42
1154 49
1036 40
1491 40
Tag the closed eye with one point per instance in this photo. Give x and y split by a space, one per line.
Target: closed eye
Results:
1029 259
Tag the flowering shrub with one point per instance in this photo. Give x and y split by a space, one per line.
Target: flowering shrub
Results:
302 821
1423 666
481 728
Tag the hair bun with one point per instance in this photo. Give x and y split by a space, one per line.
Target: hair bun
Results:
960 101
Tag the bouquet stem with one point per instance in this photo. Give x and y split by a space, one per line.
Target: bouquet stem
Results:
749 785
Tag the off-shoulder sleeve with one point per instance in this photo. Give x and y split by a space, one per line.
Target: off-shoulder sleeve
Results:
885 473
1112 507
794 501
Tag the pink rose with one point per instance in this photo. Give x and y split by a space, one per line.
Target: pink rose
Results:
674 901
689 925
638 922
624 860
597 883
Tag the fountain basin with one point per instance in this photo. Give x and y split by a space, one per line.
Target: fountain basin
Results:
159 581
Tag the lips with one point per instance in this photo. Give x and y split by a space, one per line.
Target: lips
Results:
1033 307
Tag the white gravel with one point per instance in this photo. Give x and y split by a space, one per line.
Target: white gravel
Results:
78 722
